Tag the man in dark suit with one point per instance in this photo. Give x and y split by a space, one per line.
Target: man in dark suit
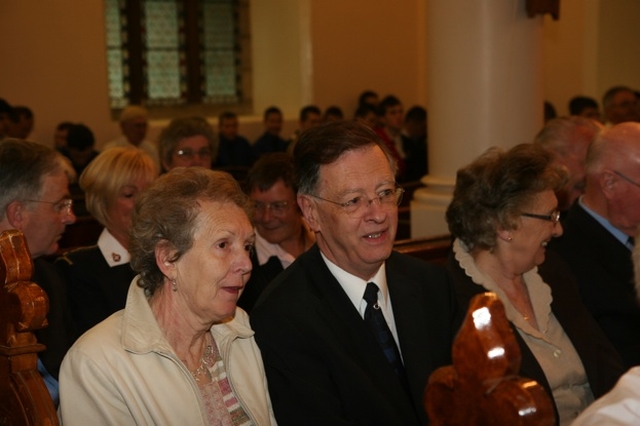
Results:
324 363
597 230
35 199
281 232
270 141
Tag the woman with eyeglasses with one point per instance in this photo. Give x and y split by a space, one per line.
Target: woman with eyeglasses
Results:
281 232
98 276
503 213
187 142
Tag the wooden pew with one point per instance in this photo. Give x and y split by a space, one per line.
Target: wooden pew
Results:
432 249
482 388
404 210
24 399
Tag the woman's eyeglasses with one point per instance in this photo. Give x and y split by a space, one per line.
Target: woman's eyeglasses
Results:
190 154
553 217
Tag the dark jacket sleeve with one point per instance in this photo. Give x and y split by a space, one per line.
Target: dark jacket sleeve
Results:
60 332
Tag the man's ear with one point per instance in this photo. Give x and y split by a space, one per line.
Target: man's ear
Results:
309 211
608 182
16 214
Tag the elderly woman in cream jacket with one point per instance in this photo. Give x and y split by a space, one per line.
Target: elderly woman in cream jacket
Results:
180 352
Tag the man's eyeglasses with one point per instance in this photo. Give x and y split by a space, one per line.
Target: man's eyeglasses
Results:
277 207
553 217
357 206
58 206
631 181
190 154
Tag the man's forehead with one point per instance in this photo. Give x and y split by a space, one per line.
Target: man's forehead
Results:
339 183
278 187
55 181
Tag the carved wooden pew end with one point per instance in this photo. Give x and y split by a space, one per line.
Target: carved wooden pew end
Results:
24 399
482 386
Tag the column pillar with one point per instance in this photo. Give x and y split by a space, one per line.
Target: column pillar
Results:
484 89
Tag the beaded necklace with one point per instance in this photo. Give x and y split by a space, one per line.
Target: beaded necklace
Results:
202 374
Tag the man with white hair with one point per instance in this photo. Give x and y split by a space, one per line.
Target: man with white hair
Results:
598 236
134 121
621 406
568 139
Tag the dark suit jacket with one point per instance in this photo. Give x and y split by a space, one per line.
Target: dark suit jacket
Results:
604 272
601 362
236 152
269 143
417 160
60 332
324 366
95 289
261 276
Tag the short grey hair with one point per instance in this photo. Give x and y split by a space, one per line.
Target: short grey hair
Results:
23 167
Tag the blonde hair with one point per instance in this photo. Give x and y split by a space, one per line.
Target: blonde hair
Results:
105 176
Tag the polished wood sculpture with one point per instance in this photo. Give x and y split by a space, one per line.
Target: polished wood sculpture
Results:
482 386
24 399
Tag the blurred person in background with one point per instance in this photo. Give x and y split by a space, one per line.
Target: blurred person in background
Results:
281 232
20 122
134 123
98 276
568 139
187 142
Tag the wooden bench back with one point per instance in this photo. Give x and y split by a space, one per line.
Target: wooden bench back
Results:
24 399
432 249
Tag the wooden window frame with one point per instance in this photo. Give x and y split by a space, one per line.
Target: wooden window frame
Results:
195 79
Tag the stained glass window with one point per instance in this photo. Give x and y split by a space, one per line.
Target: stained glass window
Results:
116 53
162 51
176 52
219 51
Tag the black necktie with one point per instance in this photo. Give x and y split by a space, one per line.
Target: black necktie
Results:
375 320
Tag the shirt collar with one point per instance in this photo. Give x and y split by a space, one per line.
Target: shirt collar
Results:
354 286
265 250
112 251
618 234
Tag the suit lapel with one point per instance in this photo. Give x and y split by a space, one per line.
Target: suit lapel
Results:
350 332
615 256
412 317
